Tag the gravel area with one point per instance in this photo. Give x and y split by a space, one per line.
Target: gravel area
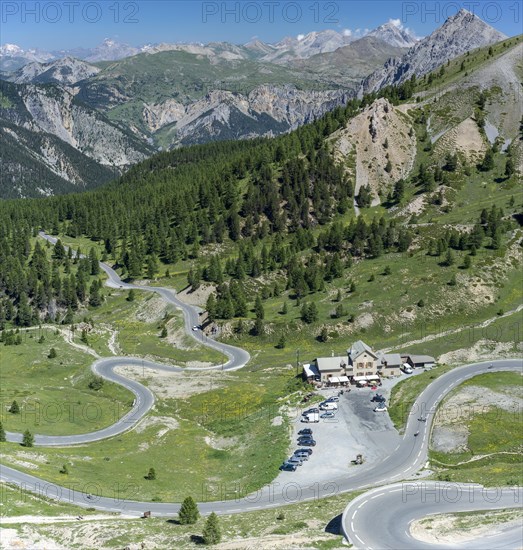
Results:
356 429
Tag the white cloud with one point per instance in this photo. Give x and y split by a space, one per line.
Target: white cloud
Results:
396 22
300 37
347 32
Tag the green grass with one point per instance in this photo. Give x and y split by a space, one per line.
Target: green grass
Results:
486 438
505 329
405 393
142 338
17 501
239 415
306 520
390 302
53 394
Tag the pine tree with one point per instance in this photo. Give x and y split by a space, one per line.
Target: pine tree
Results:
163 334
93 261
488 161
257 329
95 298
509 167
284 308
2 433
467 262
28 439
64 470
495 243
324 334
211 531
151 474
14 408
449 258
188 514
281 342
131 295
258 308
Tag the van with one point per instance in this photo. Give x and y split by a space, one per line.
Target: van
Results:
311 417
329 406
406 368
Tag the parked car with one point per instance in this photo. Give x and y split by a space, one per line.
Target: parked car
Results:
328 406
328 414
307 443
310 411
288 467
305 431
406 368
302 455
332 398
295 460
308 451
380 408
378 397
195 328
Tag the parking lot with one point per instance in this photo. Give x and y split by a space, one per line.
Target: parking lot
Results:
355 429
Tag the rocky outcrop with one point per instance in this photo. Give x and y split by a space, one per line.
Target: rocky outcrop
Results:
379 135
458 35
66 71
54 111
272 109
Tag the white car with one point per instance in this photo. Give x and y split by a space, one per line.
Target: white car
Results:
380 408
406 368
195 328
328 406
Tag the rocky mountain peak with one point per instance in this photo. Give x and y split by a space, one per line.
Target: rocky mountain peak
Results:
395 34
459 34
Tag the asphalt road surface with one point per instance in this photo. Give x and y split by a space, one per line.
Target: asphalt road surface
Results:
379 521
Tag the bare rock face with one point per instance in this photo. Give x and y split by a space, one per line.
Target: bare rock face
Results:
265 110
54 111
379 135
459 34
66 71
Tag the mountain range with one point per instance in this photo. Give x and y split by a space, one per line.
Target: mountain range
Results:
116 112
13 57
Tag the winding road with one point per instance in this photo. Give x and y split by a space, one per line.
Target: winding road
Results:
379 518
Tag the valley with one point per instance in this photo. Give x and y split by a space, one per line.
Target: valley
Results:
200 242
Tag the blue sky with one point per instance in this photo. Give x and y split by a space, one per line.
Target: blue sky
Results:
63 24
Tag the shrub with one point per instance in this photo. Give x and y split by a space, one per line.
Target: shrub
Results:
96 383
151 474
